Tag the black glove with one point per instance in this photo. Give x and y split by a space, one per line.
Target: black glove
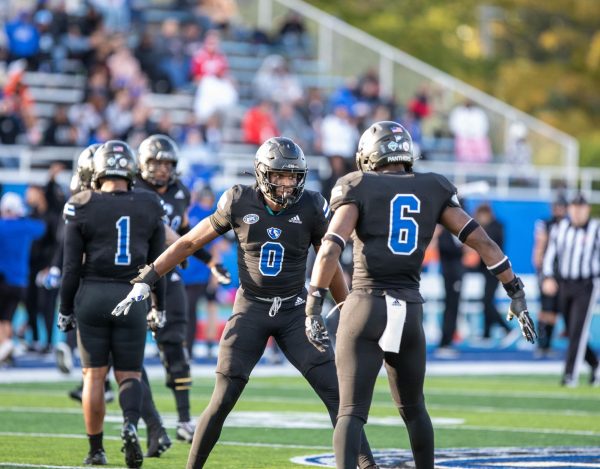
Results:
66 322
518 308
221 274
315 329
156 319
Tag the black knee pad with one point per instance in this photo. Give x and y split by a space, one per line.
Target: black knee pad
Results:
176 361
412 412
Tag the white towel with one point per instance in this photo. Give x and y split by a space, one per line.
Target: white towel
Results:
392 334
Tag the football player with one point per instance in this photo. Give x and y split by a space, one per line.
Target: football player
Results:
393 213
113 229
158 156
275 223
157 438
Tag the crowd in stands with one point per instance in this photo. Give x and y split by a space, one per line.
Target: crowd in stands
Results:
126 54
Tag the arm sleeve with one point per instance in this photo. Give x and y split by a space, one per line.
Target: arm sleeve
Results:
221 219
73 246
155 248
323 215
550 255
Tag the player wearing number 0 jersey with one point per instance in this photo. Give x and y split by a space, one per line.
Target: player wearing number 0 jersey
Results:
391 214
275 223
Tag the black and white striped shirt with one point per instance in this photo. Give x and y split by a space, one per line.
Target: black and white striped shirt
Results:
573 252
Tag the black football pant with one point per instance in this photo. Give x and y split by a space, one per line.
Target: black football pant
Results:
577 299
43 302
242 344
358 358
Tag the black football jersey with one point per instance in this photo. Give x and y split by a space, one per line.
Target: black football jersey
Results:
176 200
272 248
116 232
398 213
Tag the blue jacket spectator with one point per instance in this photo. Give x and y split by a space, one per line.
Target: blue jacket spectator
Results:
17 233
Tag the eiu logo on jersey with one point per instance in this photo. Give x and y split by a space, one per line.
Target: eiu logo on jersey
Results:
295 219
251 218
274 233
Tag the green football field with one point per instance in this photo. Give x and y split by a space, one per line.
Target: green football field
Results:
281 418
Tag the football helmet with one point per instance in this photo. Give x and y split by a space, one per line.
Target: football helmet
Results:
114 159
152 150
384 143
280 154
82 179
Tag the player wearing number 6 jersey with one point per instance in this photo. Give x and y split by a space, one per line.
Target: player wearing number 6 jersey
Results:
392 213
108 233
275 223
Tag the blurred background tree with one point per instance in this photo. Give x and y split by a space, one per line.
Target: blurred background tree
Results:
542 57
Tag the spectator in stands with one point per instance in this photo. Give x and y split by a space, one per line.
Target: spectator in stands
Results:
419 105
78 45
495 230
145 53
115 13
88 116
215 94
259 123
221 12
367 98
274 82
141 125
518 149
169 53
60 132
338 139
48 47
23 39
119 113
209 60
16 89
16 235
291 124
470 125
292 34
11 123
125 70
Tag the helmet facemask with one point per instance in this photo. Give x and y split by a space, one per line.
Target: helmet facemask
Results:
283 195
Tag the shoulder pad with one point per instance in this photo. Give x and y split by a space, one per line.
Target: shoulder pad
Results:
76 201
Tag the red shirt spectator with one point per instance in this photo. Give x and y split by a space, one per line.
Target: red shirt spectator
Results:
209 60
259 123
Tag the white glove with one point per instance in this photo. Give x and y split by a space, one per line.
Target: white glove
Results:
139 292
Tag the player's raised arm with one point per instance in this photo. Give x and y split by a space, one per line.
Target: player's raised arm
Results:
185 246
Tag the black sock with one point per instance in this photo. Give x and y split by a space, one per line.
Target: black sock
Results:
130 399
182 400
149 412
95 442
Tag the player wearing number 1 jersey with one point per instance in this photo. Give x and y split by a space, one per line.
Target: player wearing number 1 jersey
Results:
392 213
275 223
108 233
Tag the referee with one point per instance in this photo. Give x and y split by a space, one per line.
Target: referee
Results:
572 267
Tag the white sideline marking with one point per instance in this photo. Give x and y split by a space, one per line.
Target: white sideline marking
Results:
463 368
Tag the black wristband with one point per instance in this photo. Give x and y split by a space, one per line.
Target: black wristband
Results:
203 255
314 300
514 288
147 275
466 230
500 267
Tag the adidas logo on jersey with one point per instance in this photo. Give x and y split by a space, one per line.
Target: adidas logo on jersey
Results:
180 194
295 219
299 301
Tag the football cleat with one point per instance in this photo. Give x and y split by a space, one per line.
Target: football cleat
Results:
96 458
185 431
158 442
134 457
